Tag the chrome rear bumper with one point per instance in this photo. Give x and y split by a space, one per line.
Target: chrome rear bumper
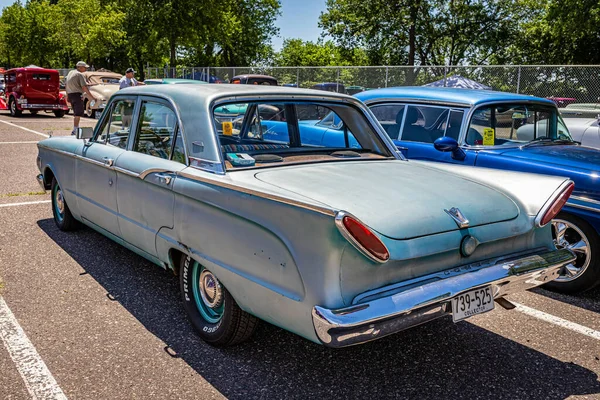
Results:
415 303
40 179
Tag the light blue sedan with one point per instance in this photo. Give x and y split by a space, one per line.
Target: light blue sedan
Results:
342 242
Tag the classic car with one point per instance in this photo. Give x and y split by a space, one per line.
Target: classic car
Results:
581 110
102 84
34 89
562 101
171 81
508 132
203 76
584 130
313 239
330 87
253 79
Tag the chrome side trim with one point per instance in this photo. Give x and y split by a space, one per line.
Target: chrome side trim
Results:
412 100
126 172
582 207
280 199
424 302
586 199
550 201
339 223
142 175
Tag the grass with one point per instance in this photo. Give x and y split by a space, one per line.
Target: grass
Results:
22 194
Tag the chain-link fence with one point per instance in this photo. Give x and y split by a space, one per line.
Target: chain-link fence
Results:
571 83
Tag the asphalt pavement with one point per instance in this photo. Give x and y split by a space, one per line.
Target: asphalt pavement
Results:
107 324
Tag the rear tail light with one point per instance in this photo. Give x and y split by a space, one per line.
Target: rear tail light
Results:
556 205
362 237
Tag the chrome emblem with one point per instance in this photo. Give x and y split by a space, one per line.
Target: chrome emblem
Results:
468 245
458 217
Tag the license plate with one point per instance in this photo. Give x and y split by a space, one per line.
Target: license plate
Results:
473 302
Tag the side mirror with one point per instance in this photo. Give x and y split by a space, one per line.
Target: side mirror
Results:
85 133
447 144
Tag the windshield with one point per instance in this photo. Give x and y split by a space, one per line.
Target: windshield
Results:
516 124
251 133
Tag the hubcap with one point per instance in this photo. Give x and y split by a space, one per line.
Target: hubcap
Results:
208 294
59 203
566 235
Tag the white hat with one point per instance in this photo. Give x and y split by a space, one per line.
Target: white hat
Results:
82 64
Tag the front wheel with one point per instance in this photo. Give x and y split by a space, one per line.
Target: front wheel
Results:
212 311
63 218
575 234
59 113
12 106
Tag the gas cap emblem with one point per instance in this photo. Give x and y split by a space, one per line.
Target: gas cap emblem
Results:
458 217
468 245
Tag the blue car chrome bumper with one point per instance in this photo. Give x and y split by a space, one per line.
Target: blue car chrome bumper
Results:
408 304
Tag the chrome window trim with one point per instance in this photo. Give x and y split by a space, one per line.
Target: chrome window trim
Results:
339 223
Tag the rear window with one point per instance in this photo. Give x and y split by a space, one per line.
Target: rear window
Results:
42 77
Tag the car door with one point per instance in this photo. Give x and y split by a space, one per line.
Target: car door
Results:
415 127
95 171
147 172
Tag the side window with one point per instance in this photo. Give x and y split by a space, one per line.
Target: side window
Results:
269 124
156 131
114 130
390 117
328 132
424 124
454 124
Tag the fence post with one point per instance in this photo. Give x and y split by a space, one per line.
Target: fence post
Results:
445 74
337 81
298 77
387 71
519 79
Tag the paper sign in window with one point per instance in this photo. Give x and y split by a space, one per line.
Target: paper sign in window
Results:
489 135
227 128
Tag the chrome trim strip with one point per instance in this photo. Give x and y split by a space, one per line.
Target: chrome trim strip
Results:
412 100
417 304
592 209
126 172
339 223
586 199
550 201
142 175
280 199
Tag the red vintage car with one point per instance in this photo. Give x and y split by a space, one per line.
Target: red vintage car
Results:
34 89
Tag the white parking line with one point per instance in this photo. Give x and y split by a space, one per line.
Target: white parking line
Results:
31 141
584 330
39 381
26 203
25 129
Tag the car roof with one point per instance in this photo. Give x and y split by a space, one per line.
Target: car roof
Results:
176 80
254 76
466 97
32 69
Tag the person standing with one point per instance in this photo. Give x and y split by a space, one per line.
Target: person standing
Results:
75 86
128 79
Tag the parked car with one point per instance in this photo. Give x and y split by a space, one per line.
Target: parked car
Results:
581 110
103 84
171 81
313 239
253 79
562 101
355 89
330 87
202 76
468 127
584 130
34 89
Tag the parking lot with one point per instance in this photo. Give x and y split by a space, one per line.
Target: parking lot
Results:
103 322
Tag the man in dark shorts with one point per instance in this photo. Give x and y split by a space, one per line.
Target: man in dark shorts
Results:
76 85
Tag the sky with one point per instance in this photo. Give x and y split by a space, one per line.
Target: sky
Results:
299 19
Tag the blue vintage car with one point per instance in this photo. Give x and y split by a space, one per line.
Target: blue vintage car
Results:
312 238
508 132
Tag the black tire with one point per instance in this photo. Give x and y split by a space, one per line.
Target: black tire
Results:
12 106
579 231
65 220
234 326
33 112
59 113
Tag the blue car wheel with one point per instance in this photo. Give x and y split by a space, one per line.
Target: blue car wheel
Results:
212 311
62 214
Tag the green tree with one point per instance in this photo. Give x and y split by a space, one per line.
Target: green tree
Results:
296 52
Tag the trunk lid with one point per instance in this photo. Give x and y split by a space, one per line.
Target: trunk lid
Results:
398 199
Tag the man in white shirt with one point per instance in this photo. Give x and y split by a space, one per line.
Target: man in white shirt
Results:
128 80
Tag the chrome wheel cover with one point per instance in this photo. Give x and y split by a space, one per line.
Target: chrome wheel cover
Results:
567 235
60 201
210 290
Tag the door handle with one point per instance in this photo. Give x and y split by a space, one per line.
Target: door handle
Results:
108 161
163 178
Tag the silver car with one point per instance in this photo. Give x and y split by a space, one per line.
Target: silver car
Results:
330 234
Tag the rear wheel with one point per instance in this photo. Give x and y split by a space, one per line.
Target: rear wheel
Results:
575 234
62 215
210 308
59 113
12 106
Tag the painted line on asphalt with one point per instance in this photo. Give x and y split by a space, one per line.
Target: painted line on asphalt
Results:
25 129
32 141
39 381
25 203
563 323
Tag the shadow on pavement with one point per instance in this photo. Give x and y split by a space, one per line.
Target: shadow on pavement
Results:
437 360
589 300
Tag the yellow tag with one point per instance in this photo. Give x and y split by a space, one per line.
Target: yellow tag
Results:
227 128
488 136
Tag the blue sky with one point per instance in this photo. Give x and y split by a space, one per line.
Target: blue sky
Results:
299 19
